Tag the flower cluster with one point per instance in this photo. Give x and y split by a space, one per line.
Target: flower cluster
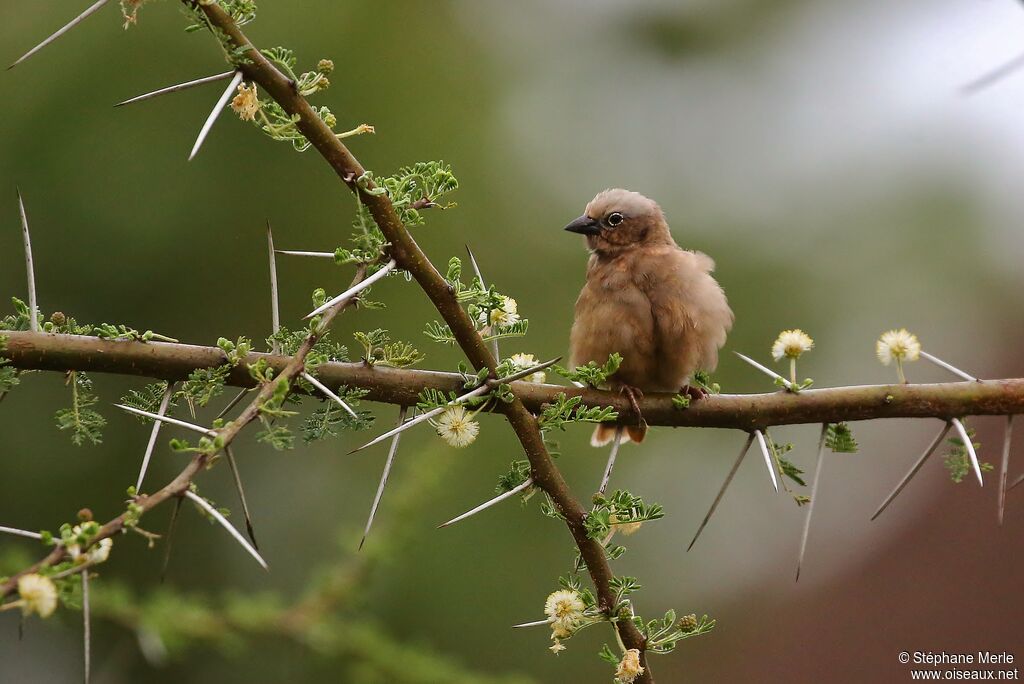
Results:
564 609
629 667
521 362
456 426
247 102
899 346
38 595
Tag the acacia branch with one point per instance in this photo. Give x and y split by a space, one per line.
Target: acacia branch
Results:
176 487
411 258
402 386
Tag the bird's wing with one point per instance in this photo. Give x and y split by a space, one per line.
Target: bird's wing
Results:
691 313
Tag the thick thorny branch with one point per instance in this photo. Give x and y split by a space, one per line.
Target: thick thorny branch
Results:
405 251
402 386
177 487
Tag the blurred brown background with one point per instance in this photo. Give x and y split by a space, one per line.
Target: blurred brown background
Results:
819 151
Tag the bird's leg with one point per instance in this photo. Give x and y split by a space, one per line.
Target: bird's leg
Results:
694 393
634 394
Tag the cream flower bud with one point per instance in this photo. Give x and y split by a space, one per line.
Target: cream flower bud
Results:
523 361
246 103
38 595
629 667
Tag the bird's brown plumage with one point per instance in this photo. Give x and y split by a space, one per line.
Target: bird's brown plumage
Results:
646 298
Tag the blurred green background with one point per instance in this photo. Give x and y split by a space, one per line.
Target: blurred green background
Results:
819 151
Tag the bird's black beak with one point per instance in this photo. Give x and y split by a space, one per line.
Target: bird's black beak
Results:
584 225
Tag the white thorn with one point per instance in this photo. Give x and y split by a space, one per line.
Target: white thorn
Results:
319 255
177 88
217 109
616 443
61 31
168 419
480 276
1005 467
275 303
992 76
721 491
234 402
535 623
20 533
384 476
86 630
164 402
482 389
354 290
215 514
487 504
33 320
952 369
768 461
233 466
814 497
969 445
913 470
329 394
764 369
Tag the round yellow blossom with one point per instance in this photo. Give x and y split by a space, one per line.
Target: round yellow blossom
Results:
899 345
791 344
246 103
38 595
457 427
629 667
523 361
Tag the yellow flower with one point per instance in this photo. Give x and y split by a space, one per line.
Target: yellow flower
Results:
629 667
523 361
38 595
900 345
457 427
791 344
246 103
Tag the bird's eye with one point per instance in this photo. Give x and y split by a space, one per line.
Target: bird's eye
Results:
614 219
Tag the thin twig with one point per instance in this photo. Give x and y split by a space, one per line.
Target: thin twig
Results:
167 419
487 504
353 291
384 476
177 88
969 445
275 302
1005 466
30 271
721 491
233 466
164 403
216 515
61 31
217 109
616 442
913 470
814 498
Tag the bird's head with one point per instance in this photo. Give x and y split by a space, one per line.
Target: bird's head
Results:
618 220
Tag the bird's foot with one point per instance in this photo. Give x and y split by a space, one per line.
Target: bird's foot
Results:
635 395
694 393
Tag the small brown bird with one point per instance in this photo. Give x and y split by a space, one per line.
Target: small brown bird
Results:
646 298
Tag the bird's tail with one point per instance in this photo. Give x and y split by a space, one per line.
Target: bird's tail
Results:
604 434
